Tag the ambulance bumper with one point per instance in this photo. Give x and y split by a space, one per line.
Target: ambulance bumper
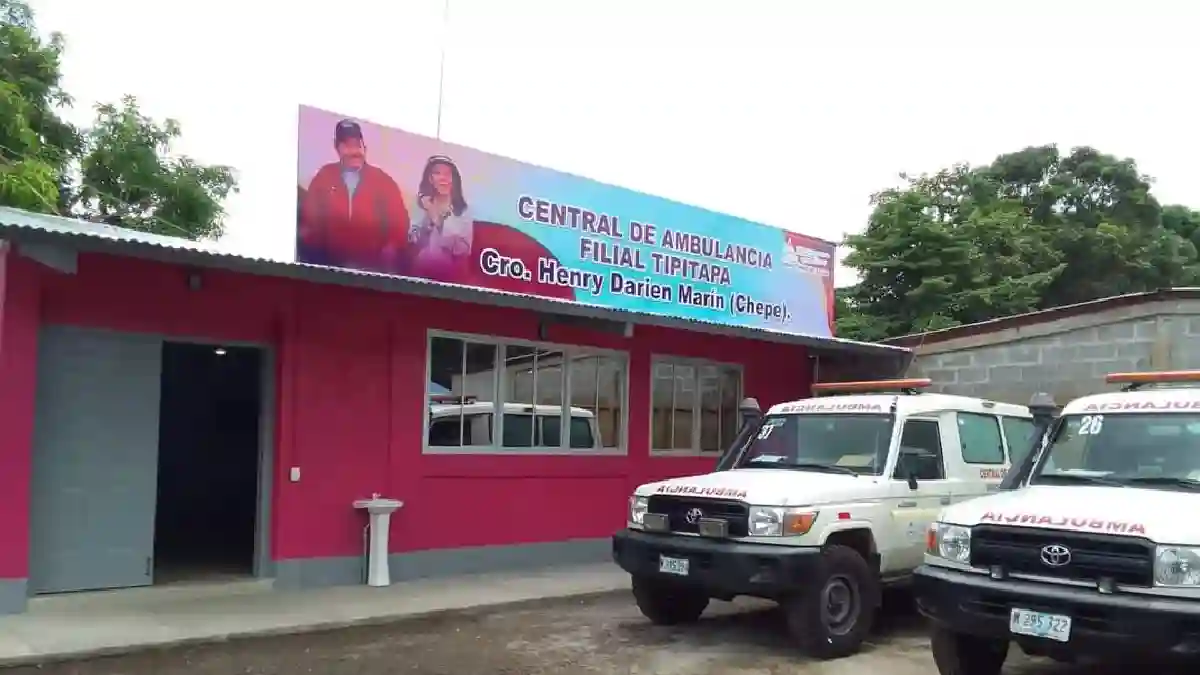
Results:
724 569
976 604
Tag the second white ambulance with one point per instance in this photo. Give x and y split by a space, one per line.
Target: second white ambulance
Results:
827 503
1095 554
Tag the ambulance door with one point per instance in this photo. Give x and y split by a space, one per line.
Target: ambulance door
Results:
921 458
978 460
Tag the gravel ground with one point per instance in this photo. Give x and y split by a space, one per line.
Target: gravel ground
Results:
604 636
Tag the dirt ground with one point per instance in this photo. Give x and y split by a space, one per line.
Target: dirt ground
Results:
602 636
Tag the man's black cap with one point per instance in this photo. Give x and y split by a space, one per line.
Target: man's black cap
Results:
345 130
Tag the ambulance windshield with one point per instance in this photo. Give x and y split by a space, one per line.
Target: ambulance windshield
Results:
836 443
1125 449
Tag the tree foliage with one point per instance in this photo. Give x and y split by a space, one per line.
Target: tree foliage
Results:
1032 230
119 170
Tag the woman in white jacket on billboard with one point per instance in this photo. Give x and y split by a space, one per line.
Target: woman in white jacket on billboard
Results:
442 234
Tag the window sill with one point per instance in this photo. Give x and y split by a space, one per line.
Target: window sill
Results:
686 453
522 452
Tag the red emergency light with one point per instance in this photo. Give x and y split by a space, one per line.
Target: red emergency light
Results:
1135 380
866 386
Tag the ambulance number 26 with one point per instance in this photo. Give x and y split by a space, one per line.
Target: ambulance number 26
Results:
1090 425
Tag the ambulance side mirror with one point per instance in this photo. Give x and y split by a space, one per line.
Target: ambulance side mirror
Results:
752 416
905 468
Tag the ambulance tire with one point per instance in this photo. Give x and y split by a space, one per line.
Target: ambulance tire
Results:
667 604
958 654
831 618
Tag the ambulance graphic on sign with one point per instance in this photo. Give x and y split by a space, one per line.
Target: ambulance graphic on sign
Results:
799 253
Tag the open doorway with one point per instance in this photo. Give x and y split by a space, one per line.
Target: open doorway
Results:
206 520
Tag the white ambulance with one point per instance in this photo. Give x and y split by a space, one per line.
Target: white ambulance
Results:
1096 553
827 502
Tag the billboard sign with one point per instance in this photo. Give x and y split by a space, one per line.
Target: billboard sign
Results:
383 200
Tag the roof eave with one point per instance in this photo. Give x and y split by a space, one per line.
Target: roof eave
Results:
211 259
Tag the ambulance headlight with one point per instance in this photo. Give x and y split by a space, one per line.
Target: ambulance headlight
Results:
1176 566
950 542
637 509
779 521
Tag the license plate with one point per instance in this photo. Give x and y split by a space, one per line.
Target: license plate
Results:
669 565
1040 625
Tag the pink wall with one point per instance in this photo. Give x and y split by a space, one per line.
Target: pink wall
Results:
18 350
350 397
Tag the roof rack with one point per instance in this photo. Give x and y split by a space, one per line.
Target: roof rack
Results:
1135 381
907 386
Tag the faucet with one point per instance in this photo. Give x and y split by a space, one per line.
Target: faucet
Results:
374 495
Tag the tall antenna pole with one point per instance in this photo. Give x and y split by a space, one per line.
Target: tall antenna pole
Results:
442 66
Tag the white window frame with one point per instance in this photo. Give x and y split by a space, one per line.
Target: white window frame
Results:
659 359
501 343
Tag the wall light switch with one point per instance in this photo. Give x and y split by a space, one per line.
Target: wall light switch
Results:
294 474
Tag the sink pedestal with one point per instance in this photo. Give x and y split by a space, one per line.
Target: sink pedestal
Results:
379 512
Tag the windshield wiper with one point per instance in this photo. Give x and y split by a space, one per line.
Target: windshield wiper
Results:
1077 478
806 466
1163 481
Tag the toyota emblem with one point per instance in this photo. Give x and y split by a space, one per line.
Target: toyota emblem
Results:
694 516
1056 555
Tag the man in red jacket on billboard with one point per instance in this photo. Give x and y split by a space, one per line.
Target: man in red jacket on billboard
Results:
353 213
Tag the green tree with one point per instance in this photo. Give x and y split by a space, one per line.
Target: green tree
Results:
1034 229
129 173
36 145
120 170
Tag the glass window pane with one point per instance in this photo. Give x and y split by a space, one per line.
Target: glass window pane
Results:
610 399
662 396
1019 434
548 391
479 390
684 408
710 409
598 386
979 439
520 364
551 432
920 451
518 431
731 400
445 391
581 434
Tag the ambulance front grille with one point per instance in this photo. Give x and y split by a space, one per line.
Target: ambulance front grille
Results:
676 510
1125 560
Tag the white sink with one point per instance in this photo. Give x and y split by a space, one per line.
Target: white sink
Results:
378 505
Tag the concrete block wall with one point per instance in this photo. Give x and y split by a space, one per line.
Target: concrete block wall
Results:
1066 357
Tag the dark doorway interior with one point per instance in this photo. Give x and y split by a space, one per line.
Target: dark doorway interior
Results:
208 462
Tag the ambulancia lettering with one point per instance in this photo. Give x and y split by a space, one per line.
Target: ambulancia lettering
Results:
1094 524
831 407
1112 406
992 473
698 491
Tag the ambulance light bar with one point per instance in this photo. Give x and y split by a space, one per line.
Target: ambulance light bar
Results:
908 386
1134 381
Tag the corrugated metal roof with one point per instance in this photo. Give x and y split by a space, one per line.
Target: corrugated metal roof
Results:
1045 315
79 235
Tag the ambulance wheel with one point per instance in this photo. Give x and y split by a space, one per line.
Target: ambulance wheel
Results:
833 617
958 654
667 604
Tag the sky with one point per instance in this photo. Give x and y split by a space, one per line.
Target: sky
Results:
784 112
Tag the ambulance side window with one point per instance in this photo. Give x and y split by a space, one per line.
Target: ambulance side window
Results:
920 451
1019 433
979 439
